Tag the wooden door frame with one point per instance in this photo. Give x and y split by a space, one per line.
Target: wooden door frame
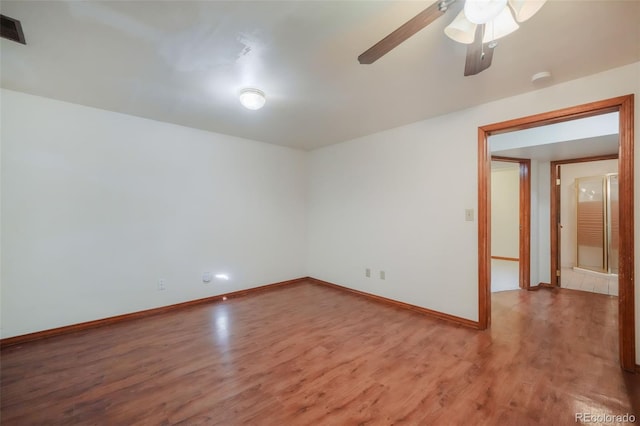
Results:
524 241
554 207
624 106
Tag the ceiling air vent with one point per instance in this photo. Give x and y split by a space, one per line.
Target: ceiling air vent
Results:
12 29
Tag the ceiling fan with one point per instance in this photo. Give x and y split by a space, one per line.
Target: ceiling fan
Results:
478 25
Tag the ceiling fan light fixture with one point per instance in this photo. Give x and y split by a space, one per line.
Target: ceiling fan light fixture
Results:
502 25
483 11
525 9
252 99
461 29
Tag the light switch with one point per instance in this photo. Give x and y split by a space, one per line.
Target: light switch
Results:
468 215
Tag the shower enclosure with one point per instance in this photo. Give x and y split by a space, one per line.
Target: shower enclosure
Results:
597 223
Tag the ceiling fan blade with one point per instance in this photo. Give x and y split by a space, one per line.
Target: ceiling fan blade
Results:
479 55
408 29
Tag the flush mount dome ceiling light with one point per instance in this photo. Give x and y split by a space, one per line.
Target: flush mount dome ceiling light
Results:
252 98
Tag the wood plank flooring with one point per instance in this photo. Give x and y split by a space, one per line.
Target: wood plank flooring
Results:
307 354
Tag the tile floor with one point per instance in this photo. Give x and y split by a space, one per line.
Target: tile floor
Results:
586 281
504 276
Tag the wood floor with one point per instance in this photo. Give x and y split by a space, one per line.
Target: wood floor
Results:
312 355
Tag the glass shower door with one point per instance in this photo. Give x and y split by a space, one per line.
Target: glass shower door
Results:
591 251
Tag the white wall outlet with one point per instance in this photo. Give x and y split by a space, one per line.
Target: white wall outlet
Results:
162 284
468 215
367 273
207 277
383 275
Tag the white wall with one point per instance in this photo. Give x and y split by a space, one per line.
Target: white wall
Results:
97 206
568 175
395 200
505 211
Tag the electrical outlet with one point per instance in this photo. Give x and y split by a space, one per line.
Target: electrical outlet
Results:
162 284
367 273
383 275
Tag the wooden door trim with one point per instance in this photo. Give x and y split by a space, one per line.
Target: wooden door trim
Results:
554 209
524 243
623 105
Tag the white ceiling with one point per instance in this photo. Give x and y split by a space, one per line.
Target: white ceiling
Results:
184 62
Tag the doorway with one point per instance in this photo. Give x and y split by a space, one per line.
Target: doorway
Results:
624 106
584 224
511 230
